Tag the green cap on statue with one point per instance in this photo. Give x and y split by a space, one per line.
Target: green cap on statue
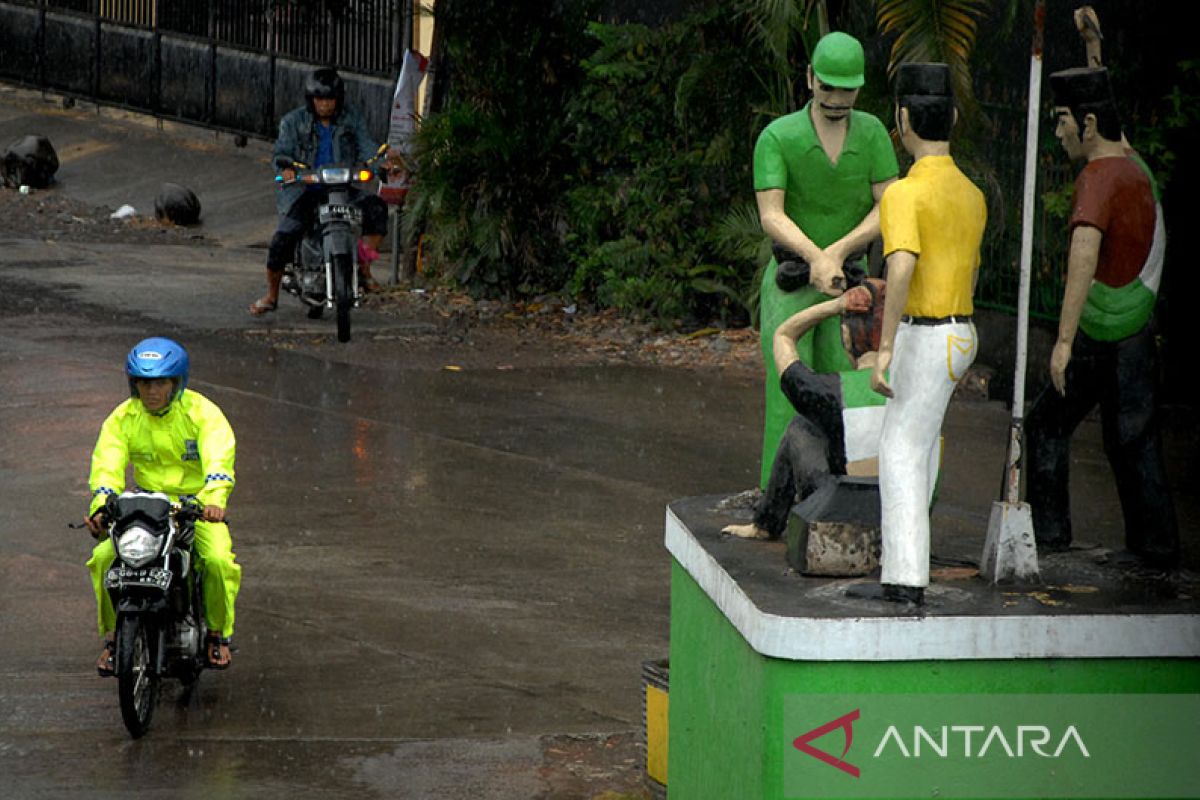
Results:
838 60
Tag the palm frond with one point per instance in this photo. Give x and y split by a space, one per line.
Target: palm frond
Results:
775 24
935 30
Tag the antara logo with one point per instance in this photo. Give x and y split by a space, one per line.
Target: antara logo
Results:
976 742
846 723
152 355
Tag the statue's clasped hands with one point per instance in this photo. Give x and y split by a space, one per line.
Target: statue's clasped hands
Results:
826 273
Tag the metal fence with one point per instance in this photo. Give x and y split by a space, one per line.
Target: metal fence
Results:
235 65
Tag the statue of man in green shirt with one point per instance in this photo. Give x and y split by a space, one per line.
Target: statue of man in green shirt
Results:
818 176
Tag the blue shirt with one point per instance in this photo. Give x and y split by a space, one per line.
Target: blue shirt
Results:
325 146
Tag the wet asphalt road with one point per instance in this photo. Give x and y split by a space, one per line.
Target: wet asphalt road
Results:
439 567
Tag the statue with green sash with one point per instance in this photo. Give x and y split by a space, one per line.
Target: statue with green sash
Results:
1106 353
818 176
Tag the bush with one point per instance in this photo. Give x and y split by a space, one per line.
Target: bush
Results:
662 132
488 197
622 178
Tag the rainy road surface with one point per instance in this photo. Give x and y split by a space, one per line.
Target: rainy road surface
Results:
439 567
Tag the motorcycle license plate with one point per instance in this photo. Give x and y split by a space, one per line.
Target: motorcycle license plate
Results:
334 211
124 576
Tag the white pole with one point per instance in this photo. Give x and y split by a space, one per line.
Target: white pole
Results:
1012 493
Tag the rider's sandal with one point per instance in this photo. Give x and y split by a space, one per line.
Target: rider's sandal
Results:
260 307
216 650
104 664
369 285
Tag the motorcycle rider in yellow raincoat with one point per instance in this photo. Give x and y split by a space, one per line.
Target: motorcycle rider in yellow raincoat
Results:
179 443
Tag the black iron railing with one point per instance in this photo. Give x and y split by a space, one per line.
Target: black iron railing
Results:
236 65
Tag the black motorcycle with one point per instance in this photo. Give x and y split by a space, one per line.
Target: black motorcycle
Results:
156 592
325 270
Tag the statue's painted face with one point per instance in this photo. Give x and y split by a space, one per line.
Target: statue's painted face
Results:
831 102
1067 131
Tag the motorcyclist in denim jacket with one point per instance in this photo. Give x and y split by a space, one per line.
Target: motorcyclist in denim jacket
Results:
322 131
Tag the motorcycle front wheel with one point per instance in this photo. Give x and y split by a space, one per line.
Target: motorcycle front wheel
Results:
343 294
137 682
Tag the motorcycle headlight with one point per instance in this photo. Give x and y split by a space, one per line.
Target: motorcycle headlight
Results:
335 174
137 546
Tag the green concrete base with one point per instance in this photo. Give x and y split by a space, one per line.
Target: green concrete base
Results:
727 698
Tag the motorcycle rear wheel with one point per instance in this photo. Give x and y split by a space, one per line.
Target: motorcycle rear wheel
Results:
137 682
343 294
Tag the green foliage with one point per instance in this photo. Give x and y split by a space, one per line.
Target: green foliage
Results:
486 202
489 195
661 131
774 28
1171 124
1057 203
611 177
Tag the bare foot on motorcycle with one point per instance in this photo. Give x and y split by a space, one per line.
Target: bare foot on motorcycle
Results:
369 284
104 664
217 651
263 306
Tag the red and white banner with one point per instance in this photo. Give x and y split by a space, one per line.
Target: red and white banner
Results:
402 124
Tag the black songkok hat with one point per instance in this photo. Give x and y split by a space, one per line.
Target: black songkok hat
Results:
927 80
1081 86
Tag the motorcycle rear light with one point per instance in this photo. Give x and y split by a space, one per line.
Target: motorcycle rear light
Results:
137 546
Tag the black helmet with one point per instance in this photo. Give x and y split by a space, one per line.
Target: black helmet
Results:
324 82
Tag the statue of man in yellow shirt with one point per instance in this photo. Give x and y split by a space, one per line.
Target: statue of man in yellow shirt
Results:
932 223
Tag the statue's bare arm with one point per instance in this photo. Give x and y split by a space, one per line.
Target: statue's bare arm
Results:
1081 269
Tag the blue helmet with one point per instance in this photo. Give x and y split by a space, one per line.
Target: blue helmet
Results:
157 358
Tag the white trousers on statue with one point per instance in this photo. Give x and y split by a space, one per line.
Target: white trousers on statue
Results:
927 362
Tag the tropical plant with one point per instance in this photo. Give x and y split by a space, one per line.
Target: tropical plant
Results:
488 200
935 30
774 27
662 130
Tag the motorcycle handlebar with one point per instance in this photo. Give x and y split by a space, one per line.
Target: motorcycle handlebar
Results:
312 177
187 511
307 174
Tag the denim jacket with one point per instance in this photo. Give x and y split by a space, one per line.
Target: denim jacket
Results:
298 141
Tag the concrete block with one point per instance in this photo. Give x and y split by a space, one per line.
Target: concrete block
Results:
836 530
